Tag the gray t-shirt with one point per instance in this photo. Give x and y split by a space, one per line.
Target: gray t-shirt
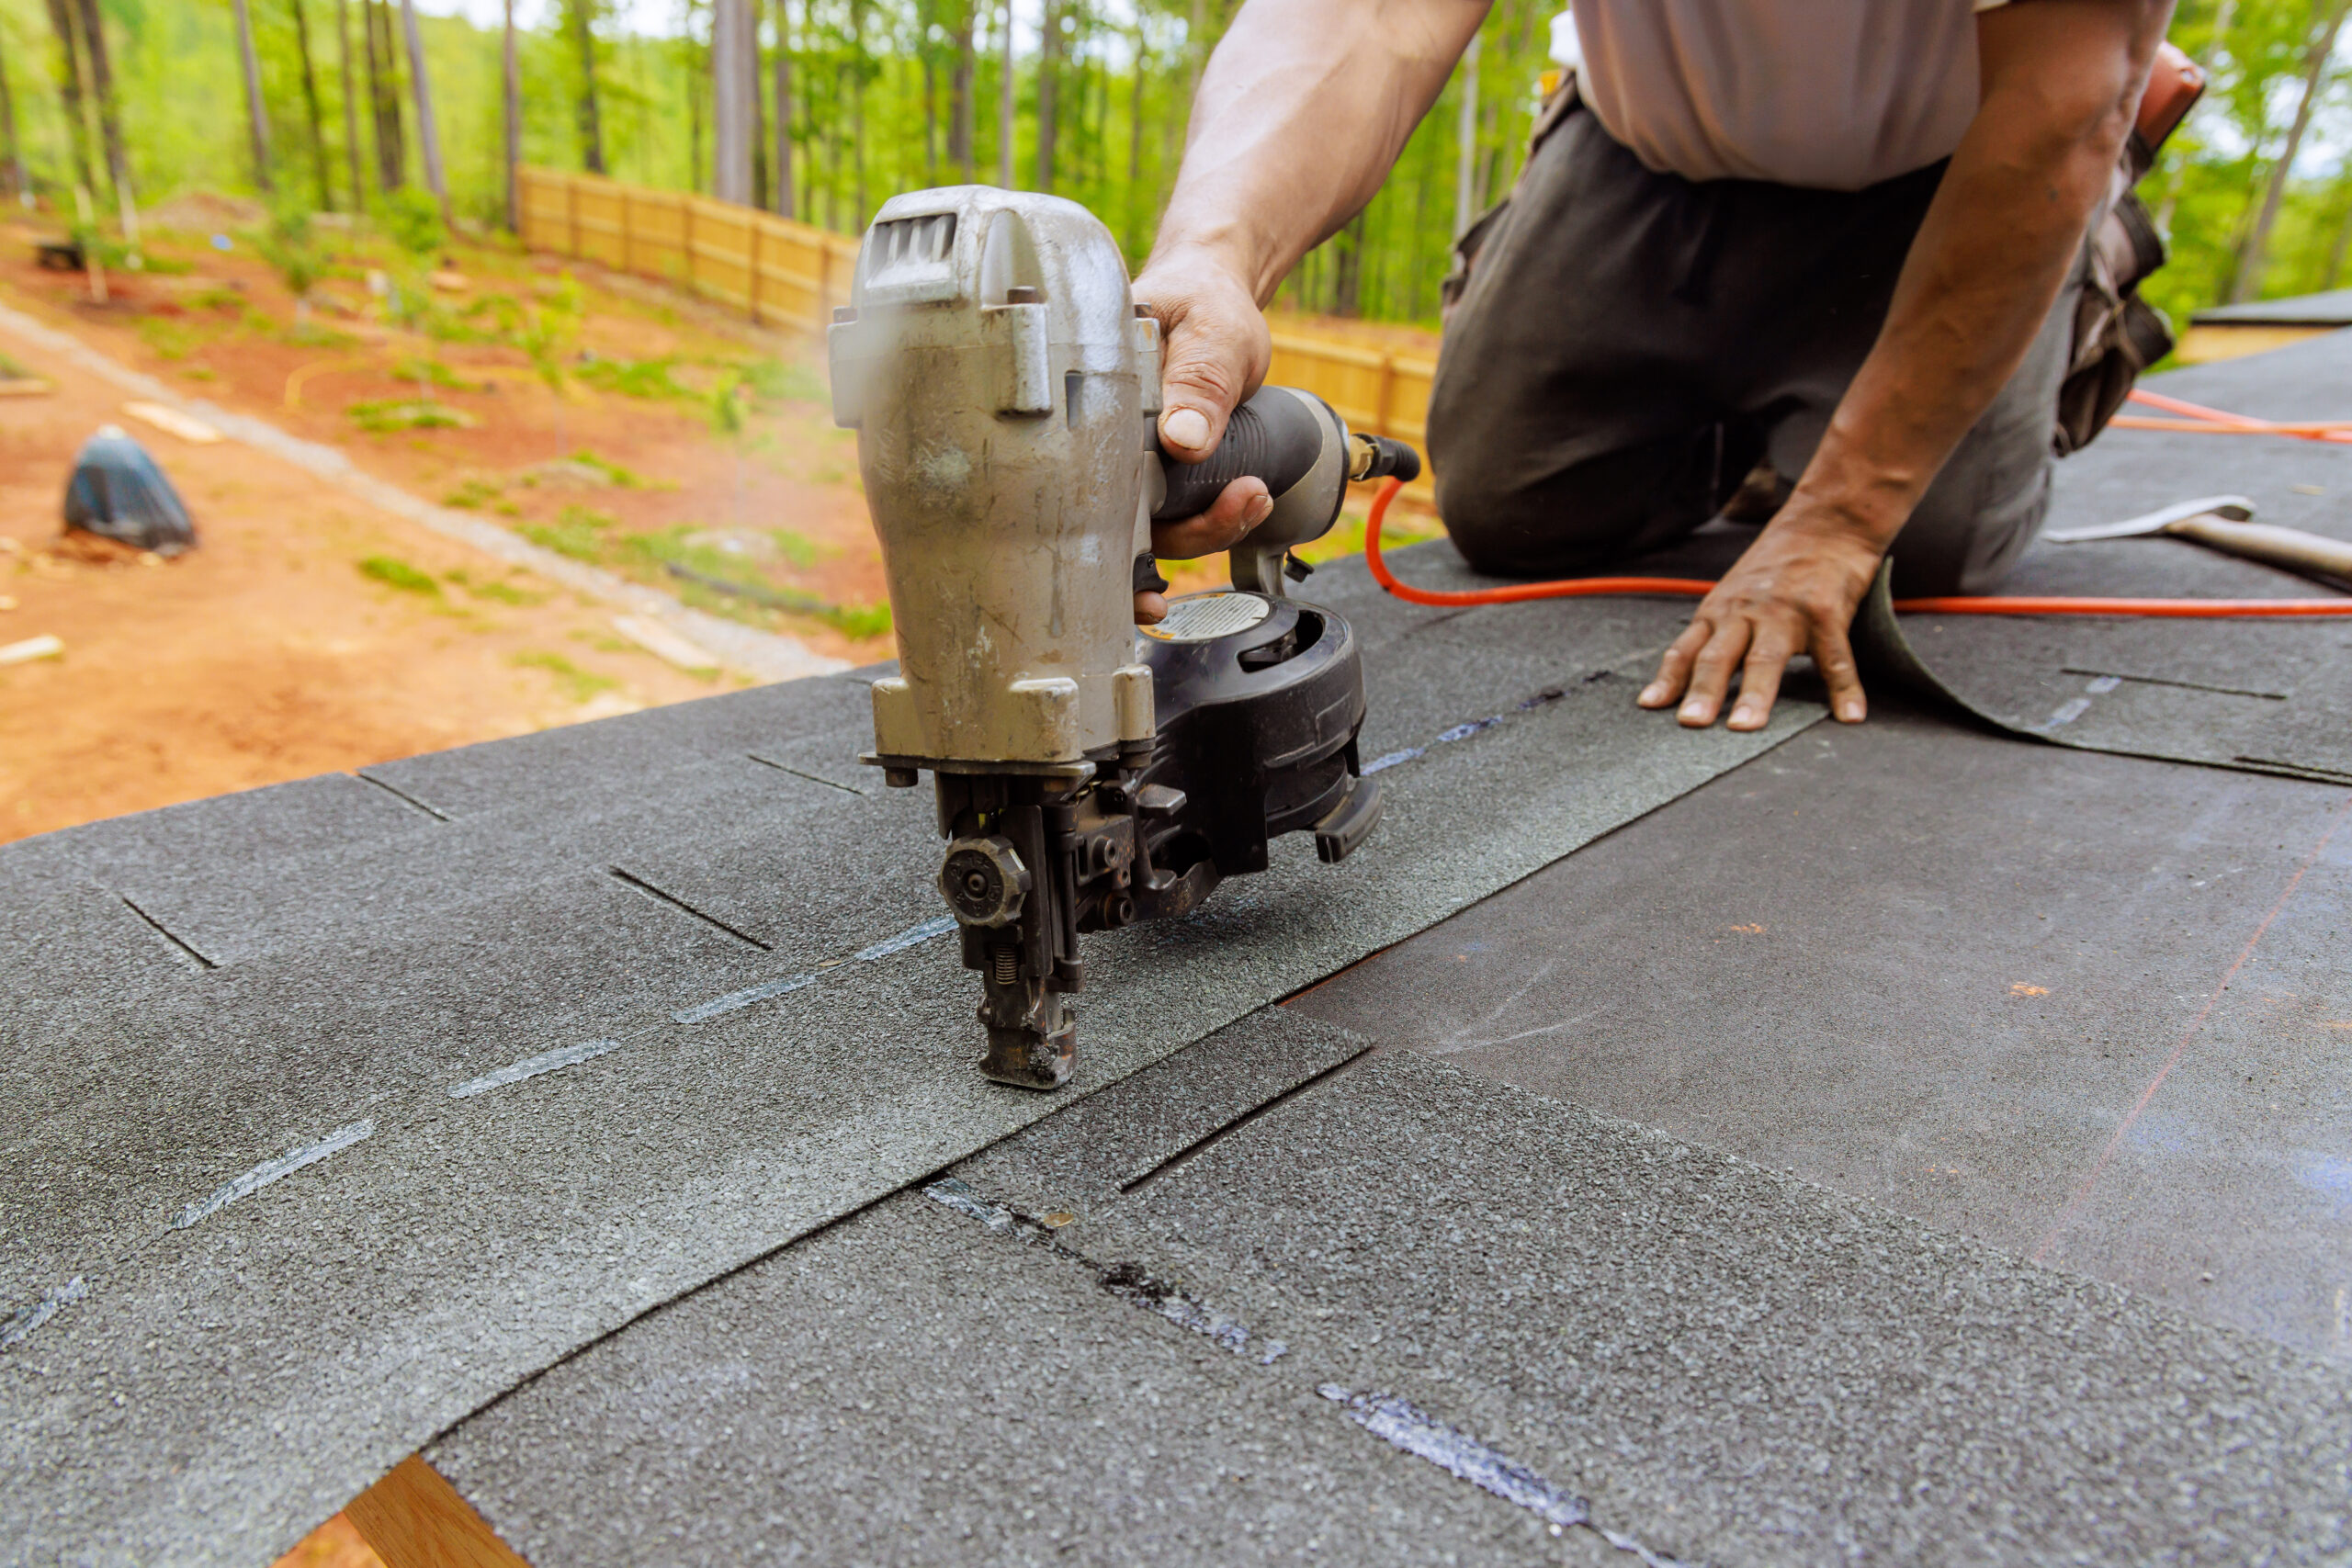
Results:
1832 93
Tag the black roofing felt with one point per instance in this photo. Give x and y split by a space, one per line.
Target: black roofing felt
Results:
364 1113
2265 695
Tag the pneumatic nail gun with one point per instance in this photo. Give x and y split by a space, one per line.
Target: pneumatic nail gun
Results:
1004 387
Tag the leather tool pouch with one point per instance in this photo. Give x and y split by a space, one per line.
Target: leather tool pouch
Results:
2117 334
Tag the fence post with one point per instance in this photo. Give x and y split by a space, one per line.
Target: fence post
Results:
1387 386
687 241
751 283
571 214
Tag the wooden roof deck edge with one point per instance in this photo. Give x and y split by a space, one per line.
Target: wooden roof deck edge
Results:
414 1518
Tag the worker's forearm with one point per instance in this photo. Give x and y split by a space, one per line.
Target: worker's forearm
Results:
1302 111
1999 239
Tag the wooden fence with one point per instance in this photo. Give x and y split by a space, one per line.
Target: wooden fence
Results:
792 276
779 273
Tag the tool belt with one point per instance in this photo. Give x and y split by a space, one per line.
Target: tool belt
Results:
2117 334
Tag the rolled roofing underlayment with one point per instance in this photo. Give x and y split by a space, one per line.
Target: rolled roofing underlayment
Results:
340 1108
2267 697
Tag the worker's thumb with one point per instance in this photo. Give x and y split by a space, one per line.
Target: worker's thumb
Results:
1210 366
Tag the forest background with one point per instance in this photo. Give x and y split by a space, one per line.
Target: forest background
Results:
857 99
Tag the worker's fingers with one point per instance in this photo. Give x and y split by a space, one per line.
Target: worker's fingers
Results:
1833 655
1151 607
1711 672
1238 507
1674 669
1214 347
1760 675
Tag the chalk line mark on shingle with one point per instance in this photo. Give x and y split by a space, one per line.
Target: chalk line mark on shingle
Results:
531 1066
32 1314
269 1170
742 999
631 880
1548 695
913 936
1406 1426
2181 685
184 948
403 797
800 773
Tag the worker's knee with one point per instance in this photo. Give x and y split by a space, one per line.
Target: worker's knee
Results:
1964 537
1511 515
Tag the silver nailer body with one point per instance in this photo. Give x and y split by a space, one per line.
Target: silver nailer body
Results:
1003 385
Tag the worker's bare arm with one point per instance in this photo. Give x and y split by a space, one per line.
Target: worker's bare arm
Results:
2060 82
1302 109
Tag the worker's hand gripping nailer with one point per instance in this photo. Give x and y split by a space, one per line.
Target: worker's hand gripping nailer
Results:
1304 454
1003 385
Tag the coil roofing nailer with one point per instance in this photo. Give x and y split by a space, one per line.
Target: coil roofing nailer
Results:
1004 385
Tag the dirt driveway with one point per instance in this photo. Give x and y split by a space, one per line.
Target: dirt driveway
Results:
307 632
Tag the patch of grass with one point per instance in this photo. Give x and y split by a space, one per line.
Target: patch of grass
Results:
394 572
646 379
784 380
472 494
200 373
310 335
391 415
228 302
10 371
800 552
429 372
859 621
579 532
169 339
506 508
577 684
503 592
616 474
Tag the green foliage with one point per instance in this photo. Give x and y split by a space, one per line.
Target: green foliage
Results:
503 592
410 219
783 380
394 572
631 378
618 476
800 552
578 532
546 327
727 408
168 338
472 493
873 89
860 621
575 683
288 247
428 372
390 415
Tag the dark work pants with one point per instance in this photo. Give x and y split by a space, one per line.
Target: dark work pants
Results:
1630 343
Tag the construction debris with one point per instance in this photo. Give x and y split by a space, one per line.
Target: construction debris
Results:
33 647
118 493
164 417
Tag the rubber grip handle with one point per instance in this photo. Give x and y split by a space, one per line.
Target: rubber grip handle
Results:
1274 437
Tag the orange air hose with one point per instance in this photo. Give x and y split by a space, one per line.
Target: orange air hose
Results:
1988 605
